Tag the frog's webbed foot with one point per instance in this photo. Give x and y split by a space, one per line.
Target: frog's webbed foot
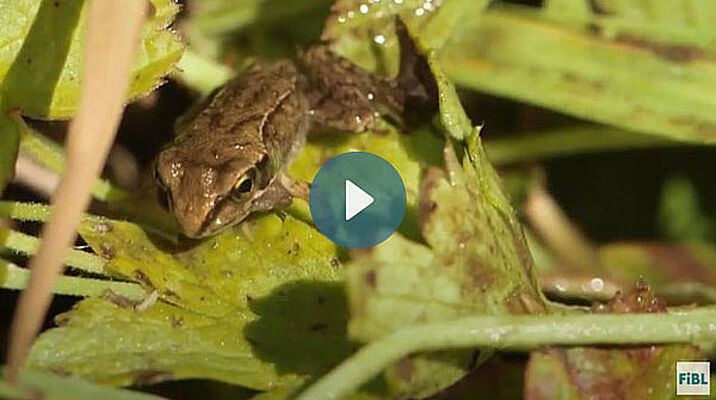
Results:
296 188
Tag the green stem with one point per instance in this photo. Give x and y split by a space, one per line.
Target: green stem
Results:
52 156
14 277
517 332
28 245
570 141
35 212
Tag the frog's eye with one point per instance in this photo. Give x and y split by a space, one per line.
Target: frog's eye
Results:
243 186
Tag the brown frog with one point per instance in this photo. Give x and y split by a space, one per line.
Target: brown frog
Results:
229 159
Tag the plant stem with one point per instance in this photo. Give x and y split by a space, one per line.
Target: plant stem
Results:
52 156
516 332
28 245
36 212
14 277
579 139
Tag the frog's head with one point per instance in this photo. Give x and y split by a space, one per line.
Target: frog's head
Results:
206 197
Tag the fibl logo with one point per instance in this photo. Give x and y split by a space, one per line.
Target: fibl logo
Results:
692 378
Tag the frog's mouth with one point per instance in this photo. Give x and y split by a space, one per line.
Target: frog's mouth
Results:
216 222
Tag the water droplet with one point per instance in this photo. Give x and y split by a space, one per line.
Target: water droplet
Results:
419 12
380 39
351 14
363 9
371 96
341 19
597 284
102 228
398 1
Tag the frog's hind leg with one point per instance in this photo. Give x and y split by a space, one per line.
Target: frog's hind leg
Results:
345 97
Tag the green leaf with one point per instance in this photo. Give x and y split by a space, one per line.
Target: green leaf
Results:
475 262
681 217
43 81
36 385
364 31
602 69
240 30
260 306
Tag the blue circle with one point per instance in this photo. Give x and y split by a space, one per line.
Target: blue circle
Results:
374 223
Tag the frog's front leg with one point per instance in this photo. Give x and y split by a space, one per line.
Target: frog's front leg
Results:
280 193
295 187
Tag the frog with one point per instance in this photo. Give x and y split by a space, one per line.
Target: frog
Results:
229 159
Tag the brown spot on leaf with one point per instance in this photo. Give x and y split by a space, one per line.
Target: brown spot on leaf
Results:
106 251
676 53
319 327
404 368
370 278
703 128
481 277
177 322
120 300
335 263
426 204
295 248
142 278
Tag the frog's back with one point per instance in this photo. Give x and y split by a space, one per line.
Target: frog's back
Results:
245 102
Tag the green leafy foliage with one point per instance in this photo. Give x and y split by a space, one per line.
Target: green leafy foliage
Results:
363 31
600 67
272 304
41 61
476 260
259 306
44 81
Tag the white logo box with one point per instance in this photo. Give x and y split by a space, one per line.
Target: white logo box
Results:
693 378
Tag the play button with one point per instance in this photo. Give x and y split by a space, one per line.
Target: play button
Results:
357 199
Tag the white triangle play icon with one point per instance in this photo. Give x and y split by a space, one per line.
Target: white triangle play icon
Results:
356 200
